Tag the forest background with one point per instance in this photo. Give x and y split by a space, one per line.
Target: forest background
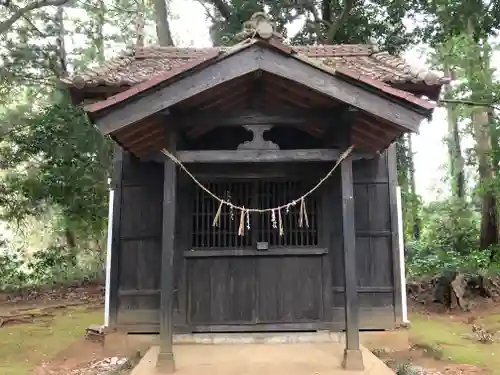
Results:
54 166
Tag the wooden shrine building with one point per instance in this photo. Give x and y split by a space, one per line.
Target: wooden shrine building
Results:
257 124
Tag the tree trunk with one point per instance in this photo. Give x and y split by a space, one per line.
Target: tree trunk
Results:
162 24
489 234
101 57
413 188
62 70
457 176
493 227
480 85
71 243
140 23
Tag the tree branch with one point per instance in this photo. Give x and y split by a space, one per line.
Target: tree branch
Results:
335 27
317 20
33 26
223 8
27 19
5 25
207 11
470 103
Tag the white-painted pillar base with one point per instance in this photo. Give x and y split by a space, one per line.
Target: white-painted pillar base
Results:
402 256
108 257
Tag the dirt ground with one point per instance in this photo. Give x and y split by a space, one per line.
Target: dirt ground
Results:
444 342
42 333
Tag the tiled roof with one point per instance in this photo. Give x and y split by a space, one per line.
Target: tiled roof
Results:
196 57
144 63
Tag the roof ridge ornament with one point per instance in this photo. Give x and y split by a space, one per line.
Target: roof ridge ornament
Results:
260 24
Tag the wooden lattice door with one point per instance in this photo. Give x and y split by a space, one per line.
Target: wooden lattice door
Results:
231 282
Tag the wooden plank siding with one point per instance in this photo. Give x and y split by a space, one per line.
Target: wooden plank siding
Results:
265 291
374 250
255 278
140 243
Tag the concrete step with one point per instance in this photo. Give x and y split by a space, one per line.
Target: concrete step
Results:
260 338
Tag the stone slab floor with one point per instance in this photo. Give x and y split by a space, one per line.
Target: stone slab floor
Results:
260 359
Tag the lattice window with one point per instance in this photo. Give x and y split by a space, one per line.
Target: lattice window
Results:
257 193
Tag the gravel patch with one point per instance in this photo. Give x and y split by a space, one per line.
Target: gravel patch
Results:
107 366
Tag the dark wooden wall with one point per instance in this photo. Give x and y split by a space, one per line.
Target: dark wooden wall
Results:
136 257
376 243
137 226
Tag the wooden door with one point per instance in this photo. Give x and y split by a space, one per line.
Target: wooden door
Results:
256 290
289 289
234 286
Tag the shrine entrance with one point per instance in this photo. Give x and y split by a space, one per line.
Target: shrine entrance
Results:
267 277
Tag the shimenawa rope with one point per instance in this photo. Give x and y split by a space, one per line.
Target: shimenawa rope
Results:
259 210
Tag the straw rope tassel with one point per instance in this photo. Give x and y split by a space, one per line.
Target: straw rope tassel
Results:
241 229
280 222
303 214
306 219
301 220
216 221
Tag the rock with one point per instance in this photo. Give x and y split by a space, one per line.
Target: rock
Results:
458 285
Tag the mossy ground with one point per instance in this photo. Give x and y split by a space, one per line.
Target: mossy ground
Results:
24 346
453 340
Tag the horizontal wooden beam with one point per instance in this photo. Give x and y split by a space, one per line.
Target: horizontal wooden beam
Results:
279 171
252 253
252 117
263 156
138 292
263 327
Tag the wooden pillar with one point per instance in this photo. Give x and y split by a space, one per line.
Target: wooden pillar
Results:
353 359
399 290
166 363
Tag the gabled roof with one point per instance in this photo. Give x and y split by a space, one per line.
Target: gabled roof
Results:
214 55
142 64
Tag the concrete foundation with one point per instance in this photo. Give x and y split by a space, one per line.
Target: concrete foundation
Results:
260 359
396 340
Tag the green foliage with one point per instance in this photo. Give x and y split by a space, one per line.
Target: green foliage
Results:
410 200
421 262
57 159
55 162
379 21
406 369
447 19
449 241
451 225
54 165
11 271
47 267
